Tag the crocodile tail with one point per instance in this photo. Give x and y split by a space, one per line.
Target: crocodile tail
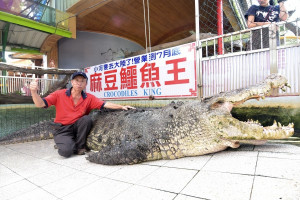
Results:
39 131
117 156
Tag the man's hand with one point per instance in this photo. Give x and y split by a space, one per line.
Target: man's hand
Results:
283 15
127 107
117 106
34 85
38 101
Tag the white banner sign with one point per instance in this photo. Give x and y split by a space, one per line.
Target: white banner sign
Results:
167 73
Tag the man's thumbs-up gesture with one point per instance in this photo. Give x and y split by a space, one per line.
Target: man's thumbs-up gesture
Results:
34 85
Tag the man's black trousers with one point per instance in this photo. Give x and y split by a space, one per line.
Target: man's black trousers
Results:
70 138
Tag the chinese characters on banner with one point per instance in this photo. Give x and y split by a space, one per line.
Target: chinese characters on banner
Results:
167 73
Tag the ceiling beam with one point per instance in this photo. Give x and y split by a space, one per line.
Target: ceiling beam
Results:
85 7
49 43
173 32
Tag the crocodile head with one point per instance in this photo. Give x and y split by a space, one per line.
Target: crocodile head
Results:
233 129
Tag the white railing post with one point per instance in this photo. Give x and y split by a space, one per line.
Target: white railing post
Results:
45 65
273 48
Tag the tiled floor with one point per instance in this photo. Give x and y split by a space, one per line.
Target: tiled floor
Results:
34 170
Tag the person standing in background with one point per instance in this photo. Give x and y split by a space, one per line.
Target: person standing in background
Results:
265 13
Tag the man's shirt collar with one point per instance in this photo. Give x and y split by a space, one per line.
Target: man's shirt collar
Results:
83 94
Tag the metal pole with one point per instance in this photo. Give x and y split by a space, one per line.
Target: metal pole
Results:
220 25
198 52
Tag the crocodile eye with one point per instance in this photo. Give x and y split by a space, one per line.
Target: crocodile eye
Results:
220 101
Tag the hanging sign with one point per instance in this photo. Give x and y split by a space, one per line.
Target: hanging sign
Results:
166 73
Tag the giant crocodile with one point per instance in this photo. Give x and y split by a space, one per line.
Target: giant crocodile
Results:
180 129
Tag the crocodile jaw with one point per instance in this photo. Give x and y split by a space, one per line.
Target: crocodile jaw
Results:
277 131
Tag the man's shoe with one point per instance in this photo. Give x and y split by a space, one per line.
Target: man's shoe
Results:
81 151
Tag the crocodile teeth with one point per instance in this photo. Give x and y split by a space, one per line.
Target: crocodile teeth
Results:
287 85
291 125
274 124
279 125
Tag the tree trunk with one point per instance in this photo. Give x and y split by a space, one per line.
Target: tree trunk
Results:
7 67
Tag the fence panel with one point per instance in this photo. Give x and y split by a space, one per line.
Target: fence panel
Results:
240 67
234 72
289 66
14 117
20 85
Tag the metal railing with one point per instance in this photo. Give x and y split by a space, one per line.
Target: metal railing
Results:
37 11
243 66
282 34
20 85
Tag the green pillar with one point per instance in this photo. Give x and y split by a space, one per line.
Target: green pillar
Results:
4 42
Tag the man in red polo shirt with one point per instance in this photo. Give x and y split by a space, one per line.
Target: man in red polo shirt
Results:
72 108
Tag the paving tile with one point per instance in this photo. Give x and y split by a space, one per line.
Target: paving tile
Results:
237 153
36 194
26 165
184 197
70 184
219 186
168 179
284 148
291 156
102 170
40 149
43 143
189 162
278 167
156 162
18 146
53 175
277 175
13 190
143 193
6 156
101 189
35 167
233 162
7 176
132 173
272 188
76 161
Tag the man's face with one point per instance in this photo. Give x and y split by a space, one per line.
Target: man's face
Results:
79 83
263 2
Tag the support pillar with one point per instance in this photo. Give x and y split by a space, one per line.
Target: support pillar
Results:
198 52
220 25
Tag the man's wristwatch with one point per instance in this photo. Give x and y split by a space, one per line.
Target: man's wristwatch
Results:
281 1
